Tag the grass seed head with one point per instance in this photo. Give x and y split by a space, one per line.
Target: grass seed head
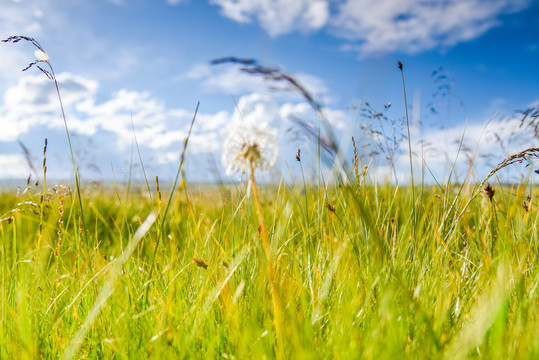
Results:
41 55
489 191
526 203
330 207
200 263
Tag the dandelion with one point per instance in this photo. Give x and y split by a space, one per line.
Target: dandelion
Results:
247 144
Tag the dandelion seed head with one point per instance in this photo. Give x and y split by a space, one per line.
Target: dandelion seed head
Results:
248 142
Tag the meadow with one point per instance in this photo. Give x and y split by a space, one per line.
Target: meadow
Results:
358 275
353 269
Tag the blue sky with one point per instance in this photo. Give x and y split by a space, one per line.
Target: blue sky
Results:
147 62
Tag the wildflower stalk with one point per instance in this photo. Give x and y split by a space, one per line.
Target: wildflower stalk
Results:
58 246
399 64
41 205
75 167
273 277
298 158
43 58
356 161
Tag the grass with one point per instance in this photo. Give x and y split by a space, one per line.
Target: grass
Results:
354 282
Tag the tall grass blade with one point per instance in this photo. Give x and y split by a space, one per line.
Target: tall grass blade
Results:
108 288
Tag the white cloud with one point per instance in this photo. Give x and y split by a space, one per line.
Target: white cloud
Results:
199 71
313 84
230 80
84 45
483 146
37 90
227 80
33 102
337 119
278 17
105 130
13 166
18 18
256 108
13 20
378 26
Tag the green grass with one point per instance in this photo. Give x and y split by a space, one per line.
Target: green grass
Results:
356 281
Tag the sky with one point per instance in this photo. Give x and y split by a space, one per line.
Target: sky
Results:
136 69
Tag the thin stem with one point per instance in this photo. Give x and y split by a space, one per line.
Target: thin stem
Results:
41 204
75 168
306 195
409 148
52 76
169 201
263 230
273 277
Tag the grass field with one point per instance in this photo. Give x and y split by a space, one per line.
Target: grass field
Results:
356 275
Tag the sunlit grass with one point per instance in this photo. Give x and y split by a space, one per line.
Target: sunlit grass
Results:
354 282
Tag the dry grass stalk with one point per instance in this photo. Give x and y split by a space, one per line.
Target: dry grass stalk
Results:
356 160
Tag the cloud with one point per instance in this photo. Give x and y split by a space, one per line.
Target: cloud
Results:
225 79
33 102
413 25
103 129
377 26
257 108
18 18
230 80
455 149
278 17
15 21
39 92
13 166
